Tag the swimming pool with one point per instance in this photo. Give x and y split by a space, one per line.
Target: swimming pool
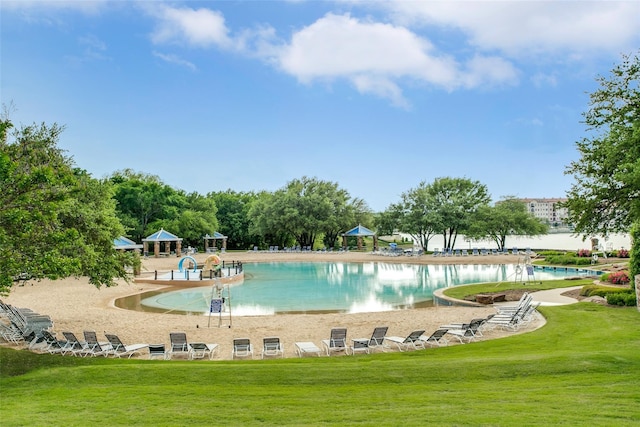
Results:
315 287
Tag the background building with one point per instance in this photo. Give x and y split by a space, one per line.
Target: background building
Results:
548 210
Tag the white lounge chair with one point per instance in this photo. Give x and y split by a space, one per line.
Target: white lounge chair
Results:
242 348
367 344
411 342
337 341
95 348
437 338
121 350
74 346
200 350
179 344
158 351
272 347
307 348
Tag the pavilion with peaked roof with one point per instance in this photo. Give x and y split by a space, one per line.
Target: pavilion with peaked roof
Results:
159 237
360 232
216 236
125 244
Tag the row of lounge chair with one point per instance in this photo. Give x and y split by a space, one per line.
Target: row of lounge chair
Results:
22 325
90 346
478 252
512 317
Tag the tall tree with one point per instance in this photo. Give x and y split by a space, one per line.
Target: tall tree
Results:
55 220
456 200
417 214
193 216
233 215
507 217
304 209
141 200
606 195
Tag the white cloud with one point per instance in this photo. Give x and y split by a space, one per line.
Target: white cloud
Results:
521 28
201 27
376 57
175 59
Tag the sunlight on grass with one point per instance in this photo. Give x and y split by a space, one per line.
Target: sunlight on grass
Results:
568 372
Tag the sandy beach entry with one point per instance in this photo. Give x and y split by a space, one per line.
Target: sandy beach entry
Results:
76 306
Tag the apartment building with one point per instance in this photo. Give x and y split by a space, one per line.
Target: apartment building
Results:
547 209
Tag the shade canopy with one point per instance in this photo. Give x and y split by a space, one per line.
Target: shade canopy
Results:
359 232
216 236
162 236
125 243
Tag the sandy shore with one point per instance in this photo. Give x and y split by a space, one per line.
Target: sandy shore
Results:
76 306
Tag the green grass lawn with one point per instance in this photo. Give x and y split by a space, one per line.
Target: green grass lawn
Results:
462 291
582 368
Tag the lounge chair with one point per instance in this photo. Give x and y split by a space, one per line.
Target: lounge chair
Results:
158 351
368 344
523 303
437 338
337 341
179 344
272 347
95 348
74 346
53 344
120 350
466 331
242 348
306 347
200 350
411 342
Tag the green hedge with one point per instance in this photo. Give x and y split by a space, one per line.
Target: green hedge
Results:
614 296
566 260
624 298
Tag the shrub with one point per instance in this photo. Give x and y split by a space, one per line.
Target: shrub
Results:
623 298
623 253
618 278
584 253
600 290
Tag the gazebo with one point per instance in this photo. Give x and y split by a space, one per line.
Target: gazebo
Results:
125 244
165 237
360 232
216 236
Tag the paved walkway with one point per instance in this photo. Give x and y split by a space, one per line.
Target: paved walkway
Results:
554 297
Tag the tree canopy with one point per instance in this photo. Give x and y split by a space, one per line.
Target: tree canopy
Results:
605 197
508 217
446 206
55 219
305 209
145 204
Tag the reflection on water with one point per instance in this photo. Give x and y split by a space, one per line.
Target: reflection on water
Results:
305 287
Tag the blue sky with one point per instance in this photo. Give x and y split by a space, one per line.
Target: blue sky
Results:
376 96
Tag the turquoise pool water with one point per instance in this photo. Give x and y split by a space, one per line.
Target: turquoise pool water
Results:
285 287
